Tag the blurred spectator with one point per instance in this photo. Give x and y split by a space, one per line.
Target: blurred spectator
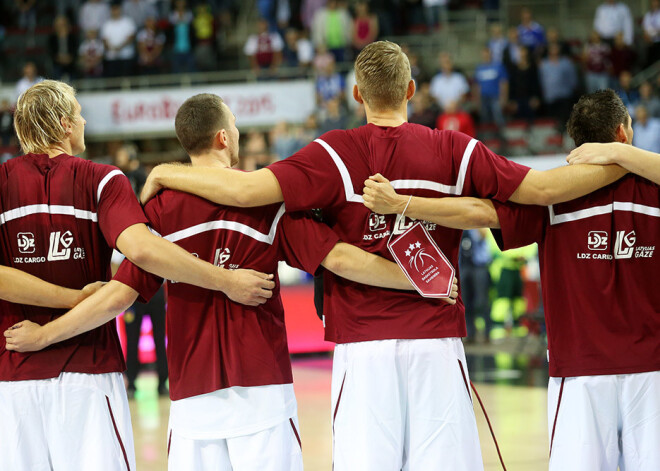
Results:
150 44
492 83
308 11
90 54
118 34
622 57
357 118
423 109
6 123
139 11
333 27
27 14
282 14
646 130
553 37
334 116
614 17
204 34
524 88
126 159
474 259
530 33
310 130
284 140
629 96
435 12
330 84
30 77
511 53
365 27
559 84
256 153
651 26
298 49
63 48
417 71
93 15
455 119
448 85
596 57
267 10
648 100
264 49
385 11
497 43
182 54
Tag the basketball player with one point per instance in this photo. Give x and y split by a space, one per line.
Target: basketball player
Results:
635 160
599 267
233 406
400 396
65 408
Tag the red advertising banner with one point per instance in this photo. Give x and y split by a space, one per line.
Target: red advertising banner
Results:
423 262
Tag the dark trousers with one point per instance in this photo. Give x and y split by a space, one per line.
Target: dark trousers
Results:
475 285
156 311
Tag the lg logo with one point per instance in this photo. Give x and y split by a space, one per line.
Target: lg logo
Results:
60 246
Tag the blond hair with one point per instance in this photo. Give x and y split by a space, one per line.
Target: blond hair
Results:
382 73
39 113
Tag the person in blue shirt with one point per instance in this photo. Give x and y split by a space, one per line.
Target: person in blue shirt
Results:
492 81
530 33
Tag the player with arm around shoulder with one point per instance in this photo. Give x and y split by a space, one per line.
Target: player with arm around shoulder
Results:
598 263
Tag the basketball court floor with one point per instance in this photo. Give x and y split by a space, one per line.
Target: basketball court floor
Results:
511 379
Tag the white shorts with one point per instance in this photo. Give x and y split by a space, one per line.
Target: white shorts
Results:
74 422
275 449
403 405
601 422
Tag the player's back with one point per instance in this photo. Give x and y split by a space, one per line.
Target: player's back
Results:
51 210
330 174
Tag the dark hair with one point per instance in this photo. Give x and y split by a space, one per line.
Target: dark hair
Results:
198 120
596 117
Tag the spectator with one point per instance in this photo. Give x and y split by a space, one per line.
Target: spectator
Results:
90 55
264 49
651 26
623 58
474 261
511 53
298 49
204 34
365 27
182 54
646 131
333 28
455 119
492 83
256 153
93 15
423 109
63 48
524 89
284 140
139 11
27 14
150 44
448 86
596 57
334 116
553 37
308 11
417 71
625 90
435 12
330 84
357 118
118 34
310 130
614 17
530 33
6 123
648 100
559 84
30 77
497 43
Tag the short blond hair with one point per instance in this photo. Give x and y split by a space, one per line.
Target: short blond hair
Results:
382 73
39 113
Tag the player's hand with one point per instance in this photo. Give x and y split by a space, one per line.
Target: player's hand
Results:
151 186
250 287
595 154
25 336
90 289
380 197
454 293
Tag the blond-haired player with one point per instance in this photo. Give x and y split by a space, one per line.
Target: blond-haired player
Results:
400 397
65 408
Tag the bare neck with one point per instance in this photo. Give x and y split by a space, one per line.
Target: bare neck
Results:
211 158
59 149
389 118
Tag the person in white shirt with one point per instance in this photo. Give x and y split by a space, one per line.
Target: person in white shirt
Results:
118 35
29 78
448 86
611 18
651 26
93 14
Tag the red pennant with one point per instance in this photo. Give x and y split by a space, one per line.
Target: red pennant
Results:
423 262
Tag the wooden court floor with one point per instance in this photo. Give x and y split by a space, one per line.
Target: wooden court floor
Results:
518 415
